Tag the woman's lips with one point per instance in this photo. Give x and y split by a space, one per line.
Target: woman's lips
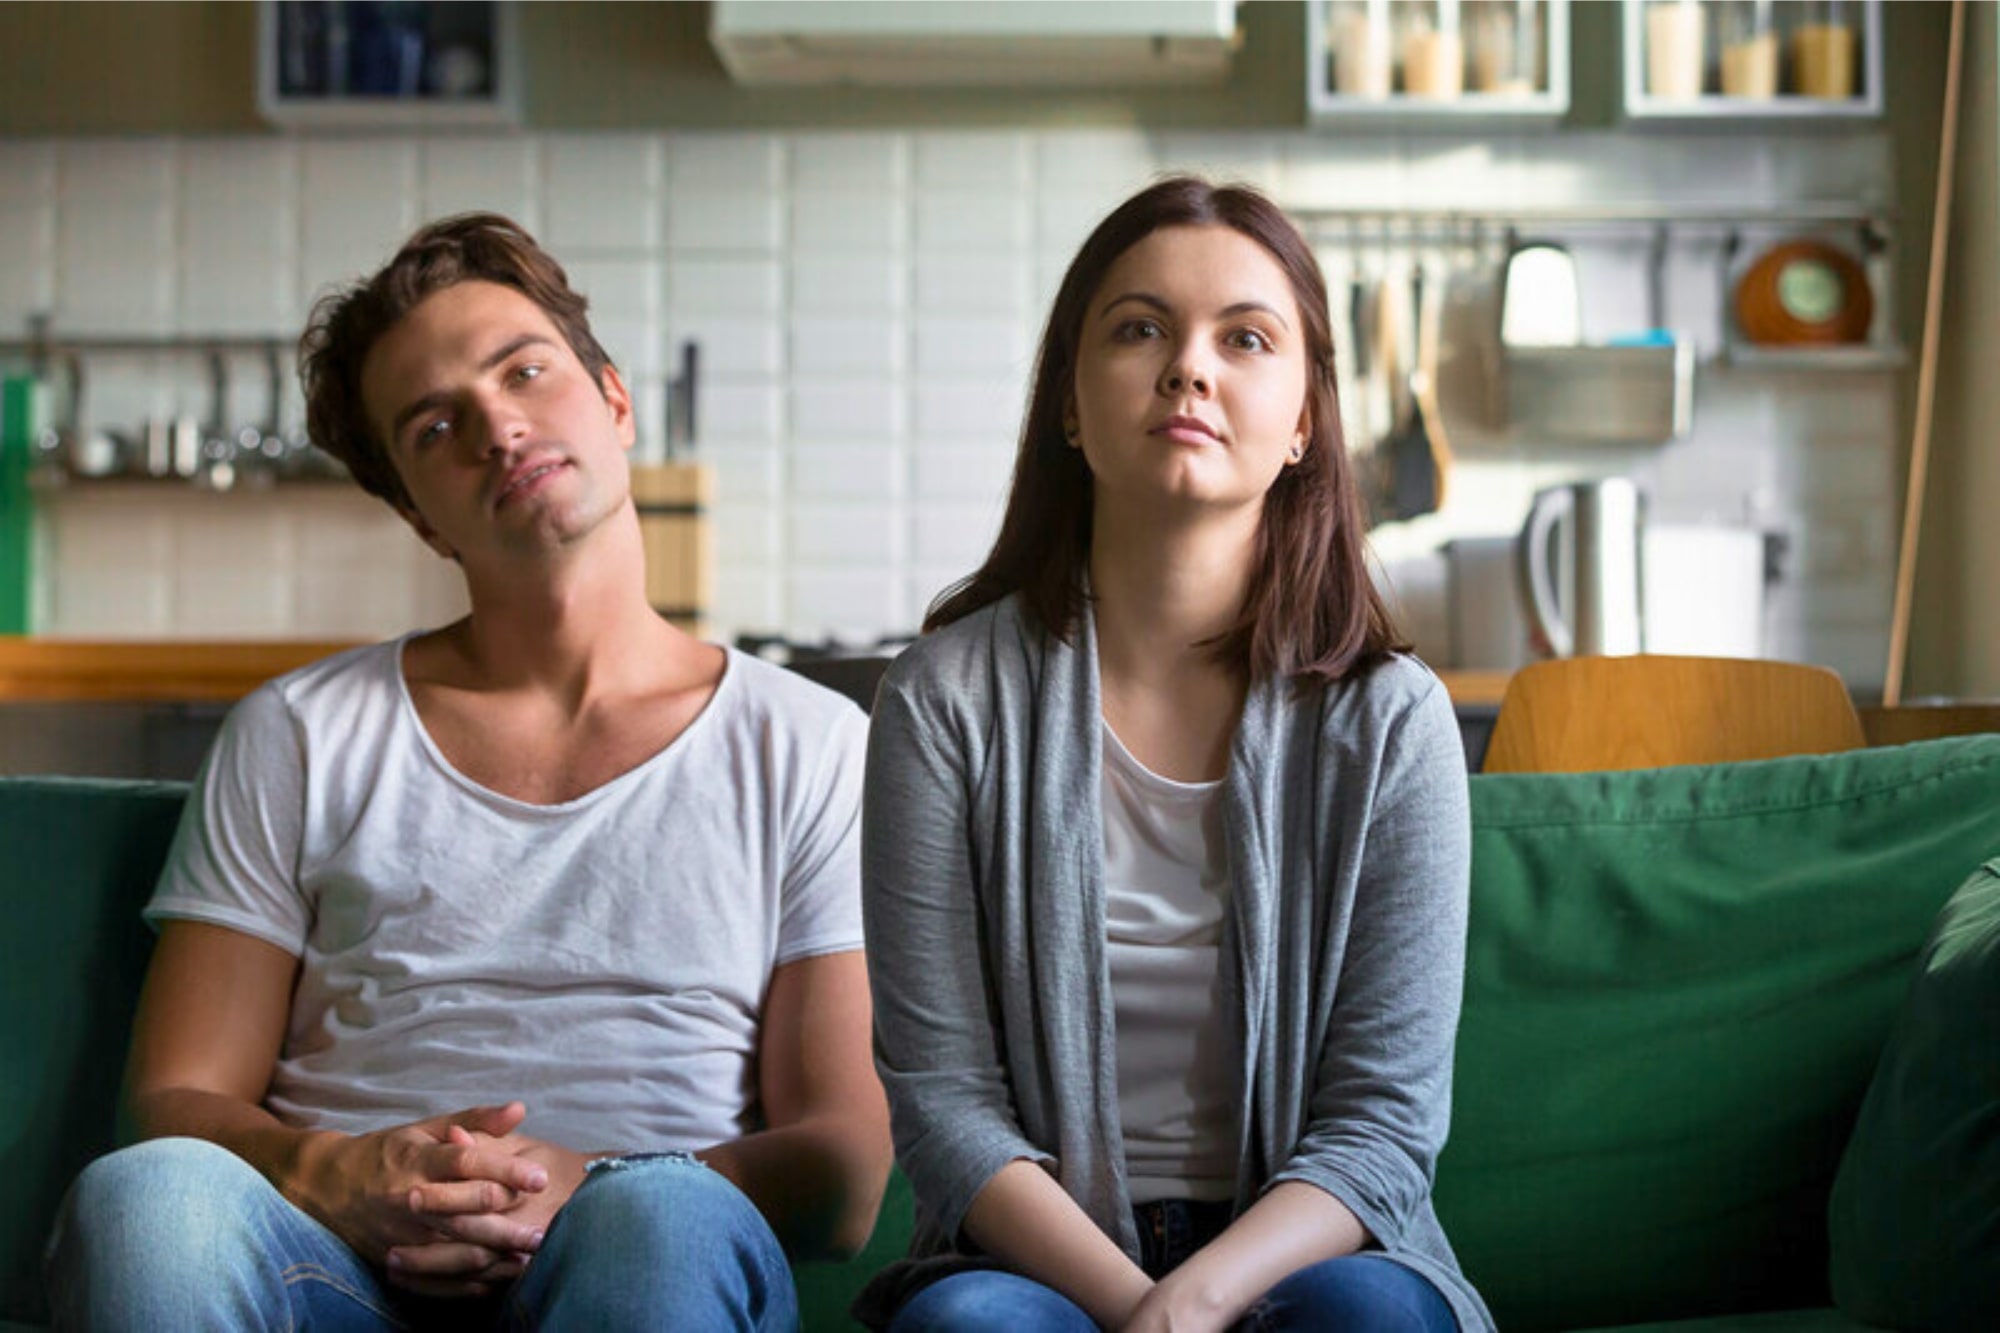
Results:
1187 430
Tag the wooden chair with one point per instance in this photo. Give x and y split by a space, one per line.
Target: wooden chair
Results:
1927 722
1588 714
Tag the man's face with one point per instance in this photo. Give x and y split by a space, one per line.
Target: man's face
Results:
503 440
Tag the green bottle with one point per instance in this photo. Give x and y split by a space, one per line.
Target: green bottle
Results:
20 420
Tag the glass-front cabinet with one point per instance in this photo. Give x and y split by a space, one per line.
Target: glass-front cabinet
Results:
360 64
1750 59
1440 61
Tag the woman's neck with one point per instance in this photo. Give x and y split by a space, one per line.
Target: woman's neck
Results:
1160 594
1161 590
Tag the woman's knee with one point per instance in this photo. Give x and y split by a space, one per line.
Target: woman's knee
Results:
1365 1293
990 1302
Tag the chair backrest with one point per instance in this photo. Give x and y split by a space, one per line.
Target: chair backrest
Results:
1590 714
1927 722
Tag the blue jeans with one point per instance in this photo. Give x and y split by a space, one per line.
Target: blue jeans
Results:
1360 1293
181 1234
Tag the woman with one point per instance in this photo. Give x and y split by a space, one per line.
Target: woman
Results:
1165 846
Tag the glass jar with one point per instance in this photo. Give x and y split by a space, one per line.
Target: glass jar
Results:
1359 41
1676 49
1505 37
1823 49
1749 49
1433 53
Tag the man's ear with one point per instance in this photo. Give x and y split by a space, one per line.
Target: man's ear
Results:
619 399
424 530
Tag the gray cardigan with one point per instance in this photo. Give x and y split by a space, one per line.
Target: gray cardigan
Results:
983 900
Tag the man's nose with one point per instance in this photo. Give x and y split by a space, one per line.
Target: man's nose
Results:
498 426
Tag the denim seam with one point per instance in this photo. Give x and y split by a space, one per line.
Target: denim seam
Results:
312 1272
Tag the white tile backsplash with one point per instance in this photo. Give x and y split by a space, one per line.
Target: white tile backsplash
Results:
999 160
362 197
602 192
847 471
846 411
867 304
705 163
467 175
850 160
825 345
840 221
731 221
718 285
849 285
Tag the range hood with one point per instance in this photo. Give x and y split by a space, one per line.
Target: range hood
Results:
974 43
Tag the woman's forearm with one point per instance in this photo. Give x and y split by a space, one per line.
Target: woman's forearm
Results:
1023 1218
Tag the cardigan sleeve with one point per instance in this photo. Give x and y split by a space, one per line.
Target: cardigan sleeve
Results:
1381 1097
937 1044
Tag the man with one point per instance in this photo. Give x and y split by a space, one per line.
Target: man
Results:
511 971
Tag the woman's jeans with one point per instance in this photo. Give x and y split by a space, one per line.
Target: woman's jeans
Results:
1360 1293
179 1234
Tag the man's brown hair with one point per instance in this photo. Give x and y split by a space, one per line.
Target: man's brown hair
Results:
1312 613
345 325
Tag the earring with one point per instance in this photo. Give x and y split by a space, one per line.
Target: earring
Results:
1073 433
1296 452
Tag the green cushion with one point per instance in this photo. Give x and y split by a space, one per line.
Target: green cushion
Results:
1678 984
77 861
826 1290
1782 1321
1916 1210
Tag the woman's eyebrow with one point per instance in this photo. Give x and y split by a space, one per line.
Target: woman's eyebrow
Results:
1240 308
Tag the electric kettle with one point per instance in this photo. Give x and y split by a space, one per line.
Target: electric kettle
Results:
1579 560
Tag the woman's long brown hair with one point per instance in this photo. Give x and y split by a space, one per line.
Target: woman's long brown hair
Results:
1311 609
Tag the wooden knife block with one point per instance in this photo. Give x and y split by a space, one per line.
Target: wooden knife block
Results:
673 500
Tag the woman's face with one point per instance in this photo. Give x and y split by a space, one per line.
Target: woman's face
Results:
1190 373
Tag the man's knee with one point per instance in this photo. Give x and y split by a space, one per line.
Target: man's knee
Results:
640 1231
172 1193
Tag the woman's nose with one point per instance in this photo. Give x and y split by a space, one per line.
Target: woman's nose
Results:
1185 374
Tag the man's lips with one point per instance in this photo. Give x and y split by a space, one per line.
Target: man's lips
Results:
1187 430
526 477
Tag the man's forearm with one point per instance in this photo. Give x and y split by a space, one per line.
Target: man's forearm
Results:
818 1182
281 1153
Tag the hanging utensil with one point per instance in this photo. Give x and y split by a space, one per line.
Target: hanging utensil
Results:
1412 475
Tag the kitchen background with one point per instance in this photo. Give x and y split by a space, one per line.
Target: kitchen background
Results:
866 294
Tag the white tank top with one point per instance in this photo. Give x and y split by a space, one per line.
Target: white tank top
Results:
1166 881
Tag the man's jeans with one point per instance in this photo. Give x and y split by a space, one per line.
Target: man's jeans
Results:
181 1234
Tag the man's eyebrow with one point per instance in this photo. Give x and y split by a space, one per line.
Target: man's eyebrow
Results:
430 400
1240 308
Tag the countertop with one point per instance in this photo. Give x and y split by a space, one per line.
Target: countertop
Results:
185 671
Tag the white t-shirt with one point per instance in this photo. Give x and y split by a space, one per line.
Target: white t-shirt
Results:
1166 879
604 960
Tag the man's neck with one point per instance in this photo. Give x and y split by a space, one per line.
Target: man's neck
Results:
574 627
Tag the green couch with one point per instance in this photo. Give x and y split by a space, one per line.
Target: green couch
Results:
1679 982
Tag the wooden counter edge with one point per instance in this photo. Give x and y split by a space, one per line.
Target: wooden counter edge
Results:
37 670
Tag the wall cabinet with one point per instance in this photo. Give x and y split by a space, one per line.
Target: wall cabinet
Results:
1440 62
1759 60
391 64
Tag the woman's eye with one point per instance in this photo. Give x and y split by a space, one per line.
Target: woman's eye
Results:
433 430
1251 340
528 371
1133 330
